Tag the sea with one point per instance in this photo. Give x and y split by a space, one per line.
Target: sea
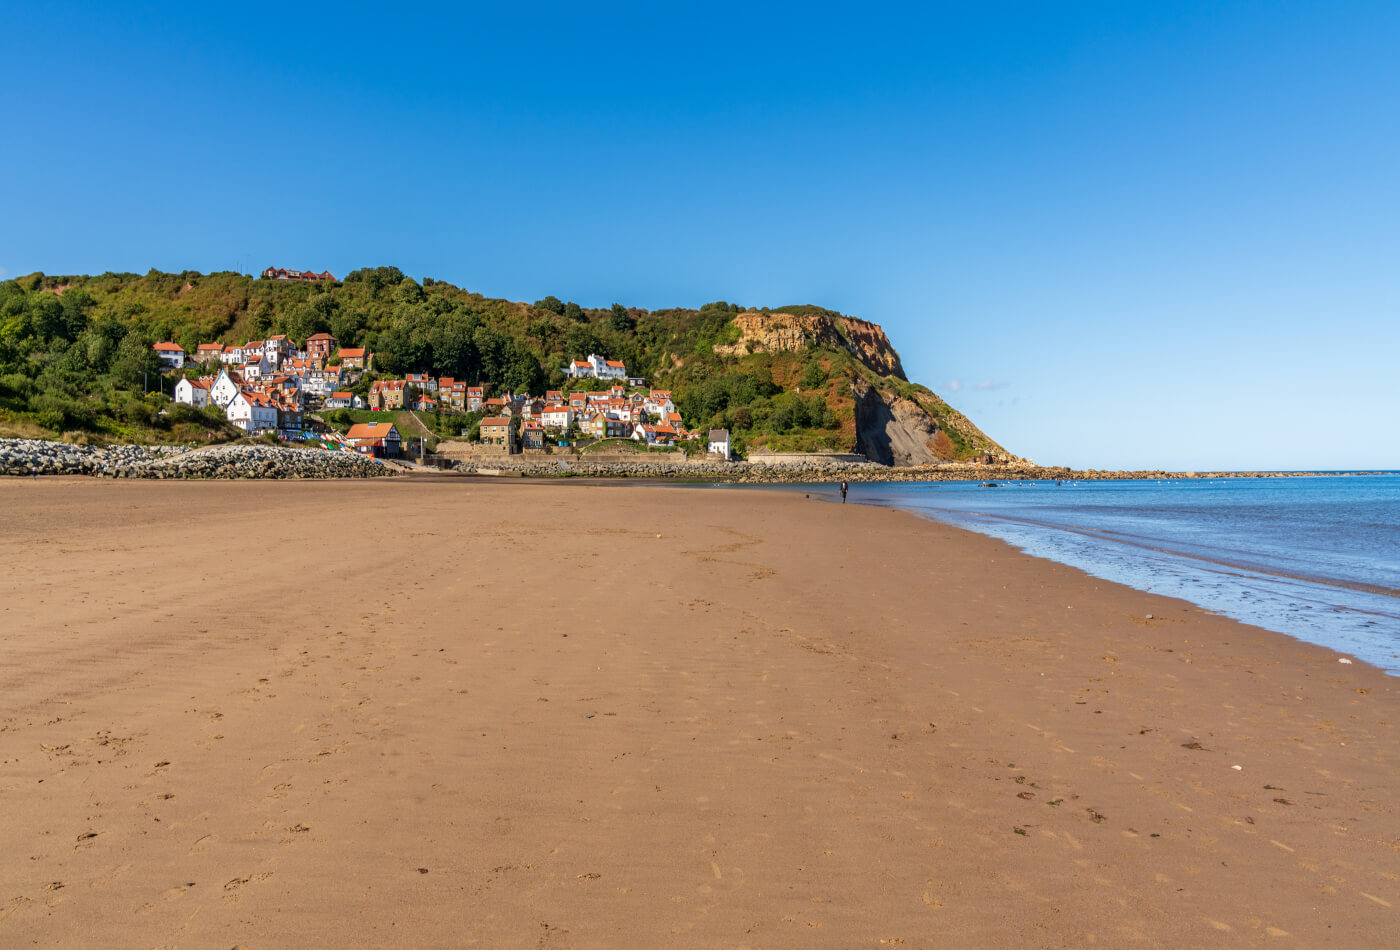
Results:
1316 556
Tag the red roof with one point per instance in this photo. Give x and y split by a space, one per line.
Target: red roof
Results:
342 395
352 353
496 421
169 347
370 430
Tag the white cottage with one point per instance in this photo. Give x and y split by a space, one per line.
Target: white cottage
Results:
172 355
253 412
719 443
223 389
193 392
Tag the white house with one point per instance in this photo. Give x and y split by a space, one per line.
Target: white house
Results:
597 367
193 392
253 412
607 369
344 400
278 349
659 402
719 443
255 368
655 435
319 384
172 355
556 417
223 389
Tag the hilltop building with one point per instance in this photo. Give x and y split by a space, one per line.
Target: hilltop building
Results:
281 273
596 367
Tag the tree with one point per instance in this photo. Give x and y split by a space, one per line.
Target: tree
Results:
620 320
574 312
136 363
552 304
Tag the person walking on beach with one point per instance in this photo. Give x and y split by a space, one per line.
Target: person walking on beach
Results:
844 487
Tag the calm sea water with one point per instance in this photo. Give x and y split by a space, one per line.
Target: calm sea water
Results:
1317 558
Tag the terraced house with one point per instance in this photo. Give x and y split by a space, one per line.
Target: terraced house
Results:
496 430
386 394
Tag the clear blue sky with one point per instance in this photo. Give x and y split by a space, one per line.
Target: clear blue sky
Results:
1115 234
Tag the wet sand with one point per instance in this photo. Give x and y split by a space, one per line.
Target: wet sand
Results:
441 713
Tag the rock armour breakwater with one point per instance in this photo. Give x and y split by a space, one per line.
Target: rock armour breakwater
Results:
820 469
26 457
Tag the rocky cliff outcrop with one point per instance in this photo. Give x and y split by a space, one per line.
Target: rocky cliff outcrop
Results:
894 429
782 332
868 343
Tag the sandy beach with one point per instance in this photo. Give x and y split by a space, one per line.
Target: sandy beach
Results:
469 712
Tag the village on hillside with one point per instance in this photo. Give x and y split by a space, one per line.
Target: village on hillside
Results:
271 386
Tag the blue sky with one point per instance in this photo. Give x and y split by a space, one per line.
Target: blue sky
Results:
1115 234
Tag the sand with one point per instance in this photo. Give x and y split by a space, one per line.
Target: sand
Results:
467 712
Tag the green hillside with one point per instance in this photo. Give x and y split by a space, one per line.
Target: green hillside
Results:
75 353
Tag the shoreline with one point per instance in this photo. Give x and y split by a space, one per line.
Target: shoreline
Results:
19 458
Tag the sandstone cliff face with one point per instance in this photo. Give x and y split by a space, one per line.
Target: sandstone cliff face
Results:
868 343
789 332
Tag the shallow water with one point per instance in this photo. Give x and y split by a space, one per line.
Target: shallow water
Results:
1317 557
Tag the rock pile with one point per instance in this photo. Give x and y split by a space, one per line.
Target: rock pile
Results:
34 457
652 468
818 469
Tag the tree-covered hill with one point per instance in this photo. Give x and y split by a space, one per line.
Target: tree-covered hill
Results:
75 352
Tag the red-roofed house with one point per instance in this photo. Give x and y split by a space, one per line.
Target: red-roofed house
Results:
380 439
320 346
655 435
386 394
344 400
452 394
496 430
557 417
253 412
172 355
354 357
193 392
281 273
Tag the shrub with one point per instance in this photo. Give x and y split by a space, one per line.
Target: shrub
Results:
59 412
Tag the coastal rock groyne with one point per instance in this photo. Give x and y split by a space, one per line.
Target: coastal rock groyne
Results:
794 470
25 457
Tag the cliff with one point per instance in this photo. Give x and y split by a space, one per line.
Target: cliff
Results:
916 428
890 421
786 331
